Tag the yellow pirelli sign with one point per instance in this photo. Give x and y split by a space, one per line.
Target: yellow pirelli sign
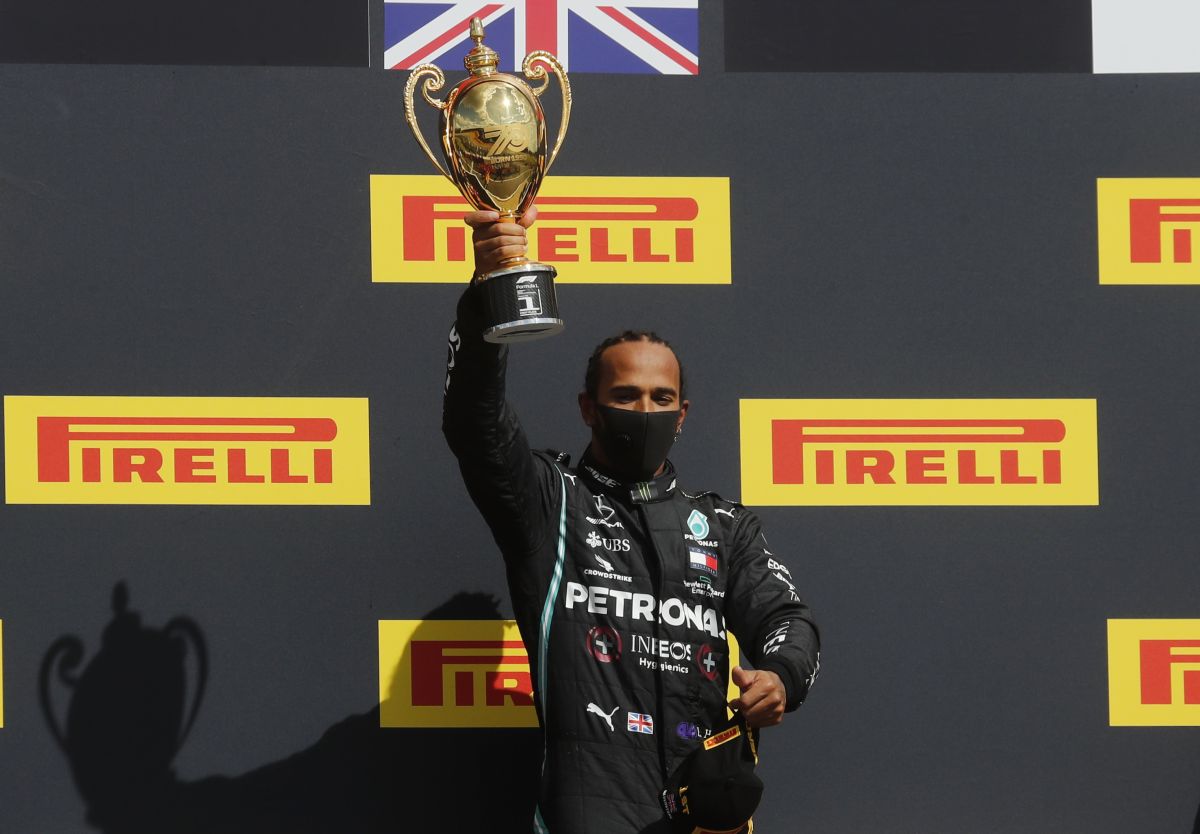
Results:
594 230
919 452
186 450
1154 673
462 673
1147 230
454 673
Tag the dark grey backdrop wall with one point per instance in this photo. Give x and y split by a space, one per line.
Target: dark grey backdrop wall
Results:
205 232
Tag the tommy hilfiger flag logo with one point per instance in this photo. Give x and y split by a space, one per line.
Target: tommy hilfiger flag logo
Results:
703 560
640 723
637 36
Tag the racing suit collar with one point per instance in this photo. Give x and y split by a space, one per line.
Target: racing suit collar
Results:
636 492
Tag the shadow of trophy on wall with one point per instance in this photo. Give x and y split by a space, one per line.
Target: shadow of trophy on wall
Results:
129 711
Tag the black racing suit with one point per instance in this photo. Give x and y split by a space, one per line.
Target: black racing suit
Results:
623 593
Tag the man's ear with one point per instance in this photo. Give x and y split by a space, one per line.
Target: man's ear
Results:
587 410
683 410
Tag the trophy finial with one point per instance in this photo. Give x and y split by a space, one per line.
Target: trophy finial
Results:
481 60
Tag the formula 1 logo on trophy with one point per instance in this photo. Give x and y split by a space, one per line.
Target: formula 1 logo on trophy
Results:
494 140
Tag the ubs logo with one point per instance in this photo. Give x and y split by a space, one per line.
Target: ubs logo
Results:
614 545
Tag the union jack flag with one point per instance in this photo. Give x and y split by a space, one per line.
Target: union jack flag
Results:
639 722
586 35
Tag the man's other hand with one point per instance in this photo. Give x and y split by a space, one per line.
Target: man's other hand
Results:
763 696
495 241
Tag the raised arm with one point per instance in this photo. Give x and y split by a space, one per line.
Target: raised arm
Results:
513 488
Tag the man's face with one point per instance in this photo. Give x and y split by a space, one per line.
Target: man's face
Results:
637 376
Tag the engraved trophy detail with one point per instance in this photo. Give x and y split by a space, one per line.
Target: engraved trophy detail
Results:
493 134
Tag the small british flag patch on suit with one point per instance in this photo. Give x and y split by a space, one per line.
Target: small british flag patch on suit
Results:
640 723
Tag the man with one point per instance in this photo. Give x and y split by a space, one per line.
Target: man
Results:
622 583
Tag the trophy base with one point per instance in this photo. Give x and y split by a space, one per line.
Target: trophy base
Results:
520 304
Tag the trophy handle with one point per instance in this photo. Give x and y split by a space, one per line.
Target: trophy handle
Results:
434 82
190 632
66 654
533 69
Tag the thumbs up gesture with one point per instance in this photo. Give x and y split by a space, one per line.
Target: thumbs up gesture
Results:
762 698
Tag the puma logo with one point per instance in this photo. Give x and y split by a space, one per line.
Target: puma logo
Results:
607 717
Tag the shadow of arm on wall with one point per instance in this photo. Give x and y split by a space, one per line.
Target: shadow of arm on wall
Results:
129 714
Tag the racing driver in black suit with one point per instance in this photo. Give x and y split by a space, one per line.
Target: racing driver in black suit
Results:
623 584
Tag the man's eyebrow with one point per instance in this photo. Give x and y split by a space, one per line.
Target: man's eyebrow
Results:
662 390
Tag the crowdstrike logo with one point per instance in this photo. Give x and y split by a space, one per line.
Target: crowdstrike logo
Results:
630 605
609 572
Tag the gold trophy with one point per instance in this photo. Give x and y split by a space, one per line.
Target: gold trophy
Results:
494 141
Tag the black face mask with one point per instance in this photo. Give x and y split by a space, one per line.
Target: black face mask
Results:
636 442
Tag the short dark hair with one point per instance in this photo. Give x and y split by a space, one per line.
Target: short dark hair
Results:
591 377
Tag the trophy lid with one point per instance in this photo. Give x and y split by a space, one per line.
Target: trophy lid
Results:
481 60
